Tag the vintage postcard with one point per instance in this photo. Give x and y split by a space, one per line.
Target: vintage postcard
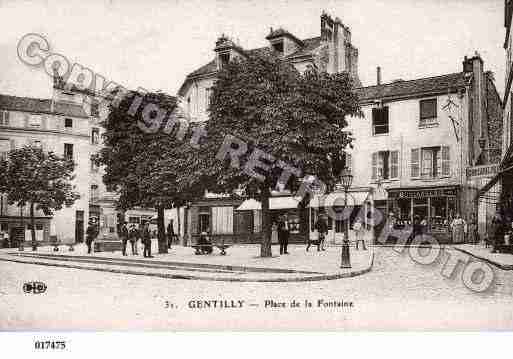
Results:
255 165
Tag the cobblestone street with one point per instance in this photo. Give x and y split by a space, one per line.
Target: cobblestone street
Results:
396 294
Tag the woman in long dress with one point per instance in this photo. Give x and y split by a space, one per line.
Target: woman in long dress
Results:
274 233
458 229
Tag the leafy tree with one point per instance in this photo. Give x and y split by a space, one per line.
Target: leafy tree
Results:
39 179
293 118
138 144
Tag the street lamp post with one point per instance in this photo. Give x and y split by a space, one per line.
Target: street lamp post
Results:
346 178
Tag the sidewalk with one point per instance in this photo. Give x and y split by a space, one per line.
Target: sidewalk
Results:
241 263
501 260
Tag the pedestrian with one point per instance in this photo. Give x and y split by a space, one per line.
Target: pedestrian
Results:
133 235
274 233
498 231
170 234
473 234
283 233
146 238
358 230
91 234
321 226
423 226
123 234
458 229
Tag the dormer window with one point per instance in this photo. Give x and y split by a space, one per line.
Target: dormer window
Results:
278 47
224 58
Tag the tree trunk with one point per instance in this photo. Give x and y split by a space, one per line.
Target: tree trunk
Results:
32 226
265 247
179 225
161 229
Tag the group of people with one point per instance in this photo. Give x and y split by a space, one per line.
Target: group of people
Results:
132 234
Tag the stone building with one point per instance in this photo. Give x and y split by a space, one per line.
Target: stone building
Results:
332 51
60 125
419 139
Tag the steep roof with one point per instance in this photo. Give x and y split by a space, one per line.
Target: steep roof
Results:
308 46
428 85
27 104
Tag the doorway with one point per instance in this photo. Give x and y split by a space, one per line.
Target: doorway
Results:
79 226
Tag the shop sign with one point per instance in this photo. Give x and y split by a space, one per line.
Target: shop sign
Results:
423 193
482 171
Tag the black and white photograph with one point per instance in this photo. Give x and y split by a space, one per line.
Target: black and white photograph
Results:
264 166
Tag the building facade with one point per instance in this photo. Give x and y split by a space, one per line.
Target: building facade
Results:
414 147
60 125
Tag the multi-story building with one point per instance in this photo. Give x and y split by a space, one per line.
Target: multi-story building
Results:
60 125
413 148
499 190
332 51
418 140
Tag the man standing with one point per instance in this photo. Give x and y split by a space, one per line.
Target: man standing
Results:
146 237
123 233
91 234
133 235
283 234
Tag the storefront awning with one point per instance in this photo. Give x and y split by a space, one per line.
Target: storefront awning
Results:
337 199
274 203
492 182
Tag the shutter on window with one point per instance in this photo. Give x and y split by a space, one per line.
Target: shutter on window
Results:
415 162
385 118
446 161
394 164
374 165
6 118
13 144
349 163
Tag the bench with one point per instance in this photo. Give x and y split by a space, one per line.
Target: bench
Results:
221 247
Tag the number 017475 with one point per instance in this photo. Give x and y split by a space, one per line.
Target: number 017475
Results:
49 344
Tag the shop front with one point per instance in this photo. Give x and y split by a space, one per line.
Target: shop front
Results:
436 205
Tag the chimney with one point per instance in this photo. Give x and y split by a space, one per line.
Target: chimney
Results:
378 75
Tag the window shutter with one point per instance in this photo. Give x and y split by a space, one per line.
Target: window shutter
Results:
415 162
394 164
375 119
446 161
374 165
13 144
385 119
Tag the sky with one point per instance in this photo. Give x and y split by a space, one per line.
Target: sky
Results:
154 44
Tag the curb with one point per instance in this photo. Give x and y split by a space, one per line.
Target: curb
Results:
192 277
489 261
223 267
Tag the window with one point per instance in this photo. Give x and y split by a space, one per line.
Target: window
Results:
95 194
95 135
428 112
278 47
430 162
4 118
135 220
380 120
95 112
35 121
385 165
68 123
208 92
224 58
5 147
68 151
94 166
